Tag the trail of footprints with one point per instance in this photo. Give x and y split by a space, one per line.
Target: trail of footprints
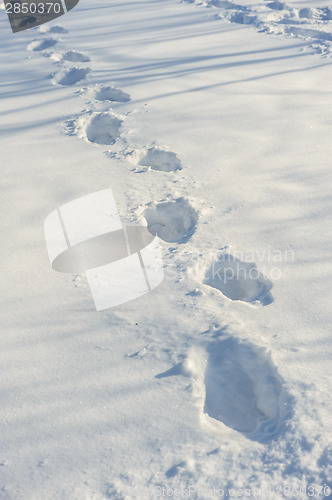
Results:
276 17
242 386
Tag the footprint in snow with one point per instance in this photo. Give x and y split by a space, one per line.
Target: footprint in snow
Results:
52 29
110 94
39 45
182 469
320 14
242 18
156 159
99 128
225 4
238 280
242 387
112 492
311 14
70 76
70 55
277 5
173 221
307 32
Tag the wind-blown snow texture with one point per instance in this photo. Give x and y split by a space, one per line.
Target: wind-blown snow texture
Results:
211 123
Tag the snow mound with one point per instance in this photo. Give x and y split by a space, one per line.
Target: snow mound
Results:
238 280
39 45
71 76
173 221
242 386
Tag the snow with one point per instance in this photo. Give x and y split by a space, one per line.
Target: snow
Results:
173 221
211 124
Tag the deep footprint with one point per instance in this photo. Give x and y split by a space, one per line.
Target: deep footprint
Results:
70 55
238 280
225 4
102 128
54 29
160 160
243 386
276 5
173 221
111 94
39 45
71 76
242 18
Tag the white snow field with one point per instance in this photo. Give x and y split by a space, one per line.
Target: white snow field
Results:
211 123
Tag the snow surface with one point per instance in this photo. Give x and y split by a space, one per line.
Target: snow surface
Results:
211 123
